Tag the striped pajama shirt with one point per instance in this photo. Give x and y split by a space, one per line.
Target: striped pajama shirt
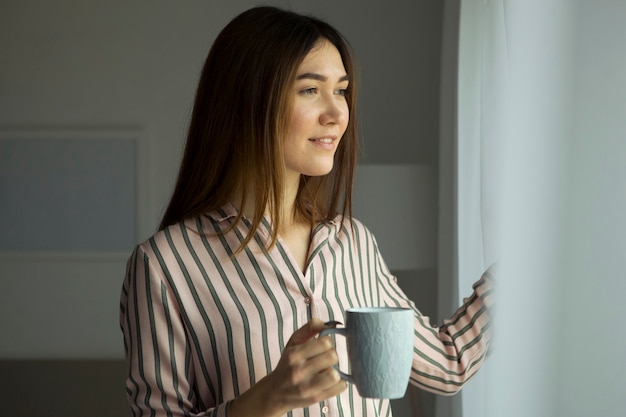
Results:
201 327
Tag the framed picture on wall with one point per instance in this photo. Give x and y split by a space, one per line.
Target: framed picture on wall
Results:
70 190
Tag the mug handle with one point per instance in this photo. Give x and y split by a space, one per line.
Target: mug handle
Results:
342 332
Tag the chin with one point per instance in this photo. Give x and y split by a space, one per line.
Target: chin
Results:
319 172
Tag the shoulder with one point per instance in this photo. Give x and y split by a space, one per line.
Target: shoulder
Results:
169 252
352 227
174 237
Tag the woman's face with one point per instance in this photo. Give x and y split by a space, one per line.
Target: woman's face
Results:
319 113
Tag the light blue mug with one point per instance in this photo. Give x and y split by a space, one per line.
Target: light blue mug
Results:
379 341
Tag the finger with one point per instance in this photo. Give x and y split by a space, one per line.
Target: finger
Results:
311 357
327 379
306 332
319 353
319 383
335 390
327 384
322 355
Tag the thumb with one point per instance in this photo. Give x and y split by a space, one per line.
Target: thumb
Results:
306 332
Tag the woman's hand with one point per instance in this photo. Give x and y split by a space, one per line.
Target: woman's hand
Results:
305 373
304 376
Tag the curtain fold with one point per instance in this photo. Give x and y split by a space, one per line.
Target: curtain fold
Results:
482 103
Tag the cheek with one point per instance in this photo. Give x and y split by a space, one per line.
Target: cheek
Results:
346 109
299 122
346 119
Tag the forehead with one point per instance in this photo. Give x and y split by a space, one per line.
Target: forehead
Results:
323 56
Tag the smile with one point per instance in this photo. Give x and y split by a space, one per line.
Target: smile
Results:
323 140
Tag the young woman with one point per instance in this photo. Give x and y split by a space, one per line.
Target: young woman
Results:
256 251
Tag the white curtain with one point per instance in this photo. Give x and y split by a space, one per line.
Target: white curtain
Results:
474 91
482 89
509 138
541 163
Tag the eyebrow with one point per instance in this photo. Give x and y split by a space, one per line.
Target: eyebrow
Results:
319 77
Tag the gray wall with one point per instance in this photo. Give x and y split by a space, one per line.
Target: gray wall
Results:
85 69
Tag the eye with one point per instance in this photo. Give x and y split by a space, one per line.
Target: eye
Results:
308 91
343 92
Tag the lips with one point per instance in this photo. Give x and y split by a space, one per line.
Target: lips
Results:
324 139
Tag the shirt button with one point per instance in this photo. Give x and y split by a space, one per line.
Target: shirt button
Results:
325 410
307 301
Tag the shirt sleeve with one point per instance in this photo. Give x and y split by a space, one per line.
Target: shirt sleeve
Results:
446 357
159 379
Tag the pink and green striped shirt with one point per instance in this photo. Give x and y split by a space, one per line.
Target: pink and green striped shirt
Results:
201 327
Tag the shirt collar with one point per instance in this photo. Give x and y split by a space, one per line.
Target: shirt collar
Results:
228 211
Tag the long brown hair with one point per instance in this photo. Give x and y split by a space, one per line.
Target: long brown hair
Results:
240 114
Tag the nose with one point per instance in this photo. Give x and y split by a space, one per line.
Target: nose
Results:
335 111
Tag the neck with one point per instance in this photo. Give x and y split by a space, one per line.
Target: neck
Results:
290 214
289 218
